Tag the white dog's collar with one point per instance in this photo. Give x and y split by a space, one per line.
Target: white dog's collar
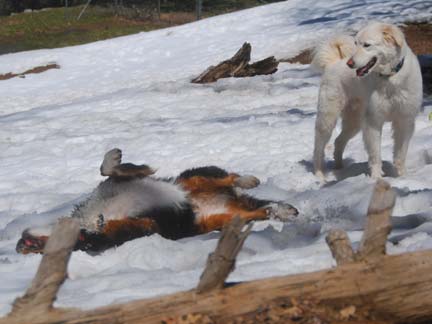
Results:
395 69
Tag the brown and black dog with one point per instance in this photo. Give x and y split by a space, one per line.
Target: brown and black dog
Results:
131 204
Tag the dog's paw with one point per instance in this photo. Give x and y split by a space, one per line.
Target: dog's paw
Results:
400 168
111 159
282 211
320 175
376 172
246 182
400 172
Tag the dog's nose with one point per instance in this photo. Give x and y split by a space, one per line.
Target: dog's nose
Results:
350 63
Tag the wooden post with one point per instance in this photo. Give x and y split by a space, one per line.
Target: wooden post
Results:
221 262
378 222
340 246
52 269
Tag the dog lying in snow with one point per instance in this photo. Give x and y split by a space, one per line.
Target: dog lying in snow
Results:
367 80
131 204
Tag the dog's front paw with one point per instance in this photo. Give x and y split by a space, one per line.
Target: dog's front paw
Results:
111 159
246 182
376 172
282 211
321 177
400 168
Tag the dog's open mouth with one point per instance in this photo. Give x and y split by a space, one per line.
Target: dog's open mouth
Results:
365 69
31 244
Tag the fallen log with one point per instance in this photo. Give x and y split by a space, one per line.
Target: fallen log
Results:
397 288
238 66
366 287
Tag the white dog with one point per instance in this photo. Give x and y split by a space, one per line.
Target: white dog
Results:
367 80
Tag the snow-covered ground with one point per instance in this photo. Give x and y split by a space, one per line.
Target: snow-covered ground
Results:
134 93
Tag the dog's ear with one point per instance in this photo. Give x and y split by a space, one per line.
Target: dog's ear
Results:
393 35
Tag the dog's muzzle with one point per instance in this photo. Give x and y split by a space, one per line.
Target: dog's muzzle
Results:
363 70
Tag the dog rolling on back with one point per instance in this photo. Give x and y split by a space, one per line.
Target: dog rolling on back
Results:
367 80
131 204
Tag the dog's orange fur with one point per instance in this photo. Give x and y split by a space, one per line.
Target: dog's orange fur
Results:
129 225
203 188
204 184
218 221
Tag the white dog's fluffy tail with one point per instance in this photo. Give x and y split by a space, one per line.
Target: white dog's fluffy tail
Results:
332 51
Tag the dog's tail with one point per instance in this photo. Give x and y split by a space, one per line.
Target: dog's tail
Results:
332 51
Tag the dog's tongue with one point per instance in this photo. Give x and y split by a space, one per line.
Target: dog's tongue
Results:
365 69
360 72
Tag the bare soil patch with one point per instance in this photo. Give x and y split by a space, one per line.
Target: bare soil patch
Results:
37 69
419 38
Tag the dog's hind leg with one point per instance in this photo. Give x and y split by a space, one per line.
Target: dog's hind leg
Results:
351 125
247 208
111 160
216 222
403 129
276 209
112 167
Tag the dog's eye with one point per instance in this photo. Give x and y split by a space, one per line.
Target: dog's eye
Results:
366 45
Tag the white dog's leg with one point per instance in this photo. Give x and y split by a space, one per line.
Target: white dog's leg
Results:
372 129
351 125
324 125
403 129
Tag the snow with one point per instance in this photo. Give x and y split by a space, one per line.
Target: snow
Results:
134 93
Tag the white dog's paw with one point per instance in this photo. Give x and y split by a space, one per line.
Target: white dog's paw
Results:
400 168
246 182
320 175
376 172
282 211
400 172
111 159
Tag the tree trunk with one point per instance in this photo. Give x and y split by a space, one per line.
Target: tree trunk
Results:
238 66
398 287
